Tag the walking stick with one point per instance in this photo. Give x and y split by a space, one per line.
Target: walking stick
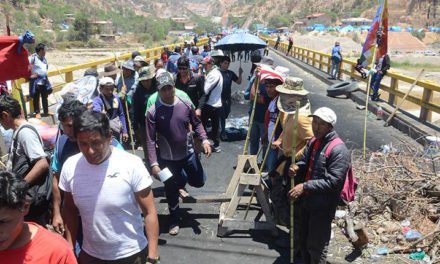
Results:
387 123
262 164
130 130
292 183
248 136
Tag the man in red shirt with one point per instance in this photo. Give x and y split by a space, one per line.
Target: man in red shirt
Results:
25 242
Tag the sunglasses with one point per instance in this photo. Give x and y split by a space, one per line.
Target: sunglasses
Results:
183 68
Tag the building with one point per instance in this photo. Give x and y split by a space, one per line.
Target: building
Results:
356 22
103 27
317 18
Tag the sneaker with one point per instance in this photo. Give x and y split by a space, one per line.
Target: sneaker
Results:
174 230
216 149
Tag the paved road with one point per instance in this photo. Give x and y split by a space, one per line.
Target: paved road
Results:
197 242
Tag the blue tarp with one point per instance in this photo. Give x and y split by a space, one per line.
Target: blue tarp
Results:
348 28
395 29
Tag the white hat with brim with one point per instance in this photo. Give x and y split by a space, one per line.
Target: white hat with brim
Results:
106 81
326 114
292 85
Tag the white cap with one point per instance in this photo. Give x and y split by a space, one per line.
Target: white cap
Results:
326 114
106 81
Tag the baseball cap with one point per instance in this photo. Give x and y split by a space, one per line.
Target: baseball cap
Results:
326 114
106 81
139 58
208 59
164 79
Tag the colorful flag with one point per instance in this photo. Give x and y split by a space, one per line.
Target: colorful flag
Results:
380 23
12 64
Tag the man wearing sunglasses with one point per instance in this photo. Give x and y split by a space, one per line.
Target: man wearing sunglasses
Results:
192 84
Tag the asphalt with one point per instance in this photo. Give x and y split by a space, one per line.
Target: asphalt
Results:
197 241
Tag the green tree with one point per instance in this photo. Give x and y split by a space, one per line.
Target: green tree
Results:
82 28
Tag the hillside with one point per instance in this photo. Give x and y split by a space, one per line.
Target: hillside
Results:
418 13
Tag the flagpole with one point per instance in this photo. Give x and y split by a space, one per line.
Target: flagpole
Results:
369 81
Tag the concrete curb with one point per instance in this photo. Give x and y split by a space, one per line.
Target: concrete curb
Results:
403 122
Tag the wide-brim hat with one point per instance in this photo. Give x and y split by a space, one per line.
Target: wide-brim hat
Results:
110 69
292 85
147 73
129 65
287 104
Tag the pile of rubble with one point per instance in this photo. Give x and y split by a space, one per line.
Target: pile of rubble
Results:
397 208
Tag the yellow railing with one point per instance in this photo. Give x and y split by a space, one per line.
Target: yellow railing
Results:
322 61
67 72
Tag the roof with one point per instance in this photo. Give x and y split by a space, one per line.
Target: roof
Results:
315 15
356 19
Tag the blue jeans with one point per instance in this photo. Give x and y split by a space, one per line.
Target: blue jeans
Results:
272 158
375 84
257 134
188 170
335 68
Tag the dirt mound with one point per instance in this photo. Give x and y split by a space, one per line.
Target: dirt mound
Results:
404 42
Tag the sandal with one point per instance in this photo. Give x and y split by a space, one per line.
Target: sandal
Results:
183 193
174 230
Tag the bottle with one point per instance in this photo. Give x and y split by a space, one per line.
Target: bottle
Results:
379 113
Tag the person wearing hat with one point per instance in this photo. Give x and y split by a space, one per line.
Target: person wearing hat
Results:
263 100
127 86
321 178
212 103
110 70
110 104
139 62
192 84
169 123
336 61
146 87
291 91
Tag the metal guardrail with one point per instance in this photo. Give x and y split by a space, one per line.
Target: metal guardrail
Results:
322 61
67 72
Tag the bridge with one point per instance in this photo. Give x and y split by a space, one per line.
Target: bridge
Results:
197 241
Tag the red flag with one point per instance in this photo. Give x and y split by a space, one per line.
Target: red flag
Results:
13 65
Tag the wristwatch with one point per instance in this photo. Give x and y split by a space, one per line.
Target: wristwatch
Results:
153 260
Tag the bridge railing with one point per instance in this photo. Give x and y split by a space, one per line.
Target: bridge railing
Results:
425 102
67 73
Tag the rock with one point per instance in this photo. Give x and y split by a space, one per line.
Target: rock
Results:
391 227
384 239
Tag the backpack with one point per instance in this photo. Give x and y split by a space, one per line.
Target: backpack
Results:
40 194
350 184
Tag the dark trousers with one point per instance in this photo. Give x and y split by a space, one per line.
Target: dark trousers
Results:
138 258
40 91
213 113
224 113
315 233
289 48
276 45
188 170
266 52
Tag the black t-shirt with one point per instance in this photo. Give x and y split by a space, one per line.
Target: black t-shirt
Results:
228 77
193 88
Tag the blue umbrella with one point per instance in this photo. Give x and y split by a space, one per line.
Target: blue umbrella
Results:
240 42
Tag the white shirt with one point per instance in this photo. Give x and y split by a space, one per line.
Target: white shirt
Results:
105 197
214 84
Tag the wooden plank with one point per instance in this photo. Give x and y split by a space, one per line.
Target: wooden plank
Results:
264 202
232 207
216 198
241 162
250 179
234 224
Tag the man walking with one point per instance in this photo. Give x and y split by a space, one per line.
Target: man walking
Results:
109 188
323 179
289 48
171 118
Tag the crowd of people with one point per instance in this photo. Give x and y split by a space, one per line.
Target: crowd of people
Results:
101 198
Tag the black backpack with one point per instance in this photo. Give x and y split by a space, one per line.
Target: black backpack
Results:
39 194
